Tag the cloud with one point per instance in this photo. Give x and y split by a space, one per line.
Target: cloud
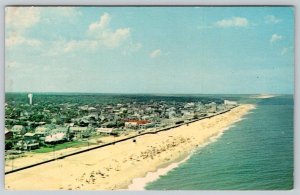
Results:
17 21
286 50
97 35
101 24
131 48
63 46
21 18
15 39
55 14
156 53
275 38
101 32
113 39
72 45
270 19
232 22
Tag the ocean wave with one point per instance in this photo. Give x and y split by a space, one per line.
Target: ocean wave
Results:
141 182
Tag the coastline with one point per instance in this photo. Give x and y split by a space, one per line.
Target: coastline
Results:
139 184
105 168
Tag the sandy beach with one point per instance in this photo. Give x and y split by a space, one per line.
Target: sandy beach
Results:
30 158
114 167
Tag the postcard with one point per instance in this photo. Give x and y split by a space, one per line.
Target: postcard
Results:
149 97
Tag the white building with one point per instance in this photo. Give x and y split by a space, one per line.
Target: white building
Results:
228 102
103 130
58 134
143 124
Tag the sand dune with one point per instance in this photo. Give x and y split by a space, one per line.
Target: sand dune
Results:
114 167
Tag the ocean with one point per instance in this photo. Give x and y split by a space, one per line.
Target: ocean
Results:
255 153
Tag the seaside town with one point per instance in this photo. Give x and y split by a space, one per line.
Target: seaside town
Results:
31 125
134 98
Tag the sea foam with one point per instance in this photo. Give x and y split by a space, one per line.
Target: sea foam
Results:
140 183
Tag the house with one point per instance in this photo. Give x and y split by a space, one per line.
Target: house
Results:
84 121
189 105
18 130
29 142
171 114
80 132
42 131
230 104
108 124
84 108
30 137
201 108
92 109
93 116
131 124
70 124
211 107
27 145
8 134
134 124
59 134
146 125
188 115
103 130
227 102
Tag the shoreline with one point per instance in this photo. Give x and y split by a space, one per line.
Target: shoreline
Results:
104 169
139 184
30 159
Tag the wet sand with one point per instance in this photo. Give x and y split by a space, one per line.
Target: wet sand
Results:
114 167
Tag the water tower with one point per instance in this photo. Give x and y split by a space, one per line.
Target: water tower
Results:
30 98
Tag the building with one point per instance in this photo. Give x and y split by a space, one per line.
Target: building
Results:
18 130
42 131
8 134
80 132
188 115
58 135
189 105
135 124
106 131
228 103
30 137
84 121
92 109
172 114
211 107
146 125
27 145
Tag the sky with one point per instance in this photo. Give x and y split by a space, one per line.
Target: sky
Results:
189 50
